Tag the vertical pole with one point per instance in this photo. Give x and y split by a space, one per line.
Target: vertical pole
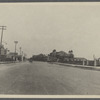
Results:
87 62
15 48
15 51
22 55
83 62
20 50
95 62
1 35
2 28
1 39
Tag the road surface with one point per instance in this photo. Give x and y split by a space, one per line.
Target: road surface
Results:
42 78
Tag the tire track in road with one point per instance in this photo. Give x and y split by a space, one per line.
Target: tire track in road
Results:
26 82
37 87
51 80
15 75
10 89
7 77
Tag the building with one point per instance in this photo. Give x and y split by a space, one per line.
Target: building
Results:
12 56
3 53
60 56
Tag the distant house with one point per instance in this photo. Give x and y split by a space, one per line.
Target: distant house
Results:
61 54
98 62
57 56
12 56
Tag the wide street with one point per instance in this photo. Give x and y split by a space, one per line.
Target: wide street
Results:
42 78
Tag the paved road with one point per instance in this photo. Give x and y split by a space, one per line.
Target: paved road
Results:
42 78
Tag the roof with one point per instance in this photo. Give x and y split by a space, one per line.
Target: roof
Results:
61 53
13 53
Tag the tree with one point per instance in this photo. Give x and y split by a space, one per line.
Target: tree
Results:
71 55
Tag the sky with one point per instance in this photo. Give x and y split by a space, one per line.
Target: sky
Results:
42 27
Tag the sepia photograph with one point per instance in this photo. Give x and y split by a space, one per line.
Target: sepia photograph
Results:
50 48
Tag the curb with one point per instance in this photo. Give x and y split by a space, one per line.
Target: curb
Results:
80 66
7 62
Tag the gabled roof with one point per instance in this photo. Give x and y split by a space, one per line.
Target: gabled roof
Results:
61 53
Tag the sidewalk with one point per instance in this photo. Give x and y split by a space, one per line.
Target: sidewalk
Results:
79 66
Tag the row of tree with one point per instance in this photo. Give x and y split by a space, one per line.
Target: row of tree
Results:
53 56
40 57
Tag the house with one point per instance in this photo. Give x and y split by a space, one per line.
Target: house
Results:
61 54
12 56
3 53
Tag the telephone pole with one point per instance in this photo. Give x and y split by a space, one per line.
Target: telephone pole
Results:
2 28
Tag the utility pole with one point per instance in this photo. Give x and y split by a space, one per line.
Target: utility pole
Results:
15 48
2 28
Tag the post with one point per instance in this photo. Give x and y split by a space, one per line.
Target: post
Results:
83 62
94 60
